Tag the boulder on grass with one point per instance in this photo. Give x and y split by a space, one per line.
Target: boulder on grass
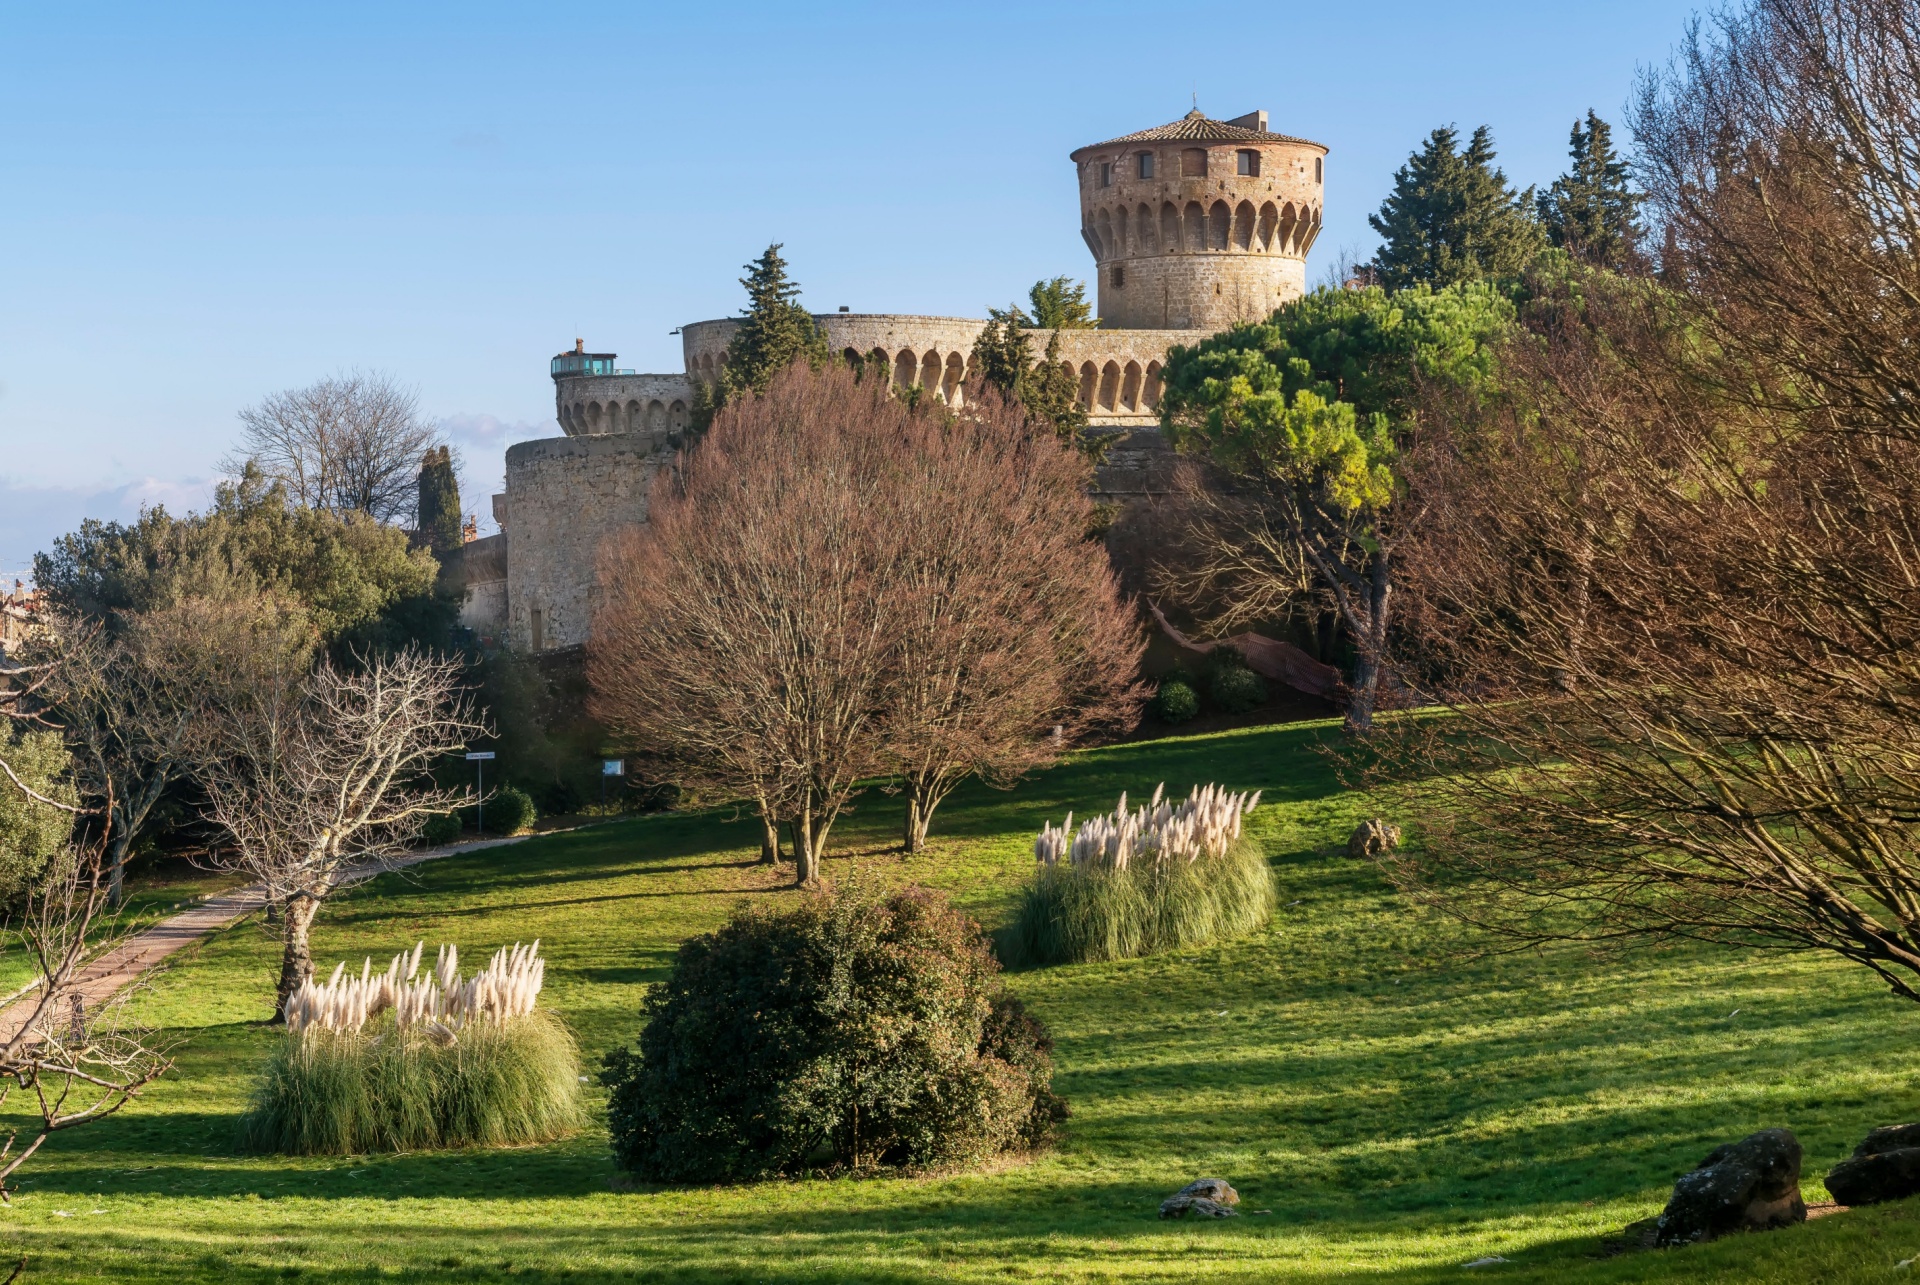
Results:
1218 1190
1202 1198
1886 1166
1195 1207
1373 838
1749 1185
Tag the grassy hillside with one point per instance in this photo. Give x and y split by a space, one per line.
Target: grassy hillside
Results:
1400 1105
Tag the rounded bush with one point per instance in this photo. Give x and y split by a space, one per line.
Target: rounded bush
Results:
1235 690
441 829
848 1030
1176 702
509 811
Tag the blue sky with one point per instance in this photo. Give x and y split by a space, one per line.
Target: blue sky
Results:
200 204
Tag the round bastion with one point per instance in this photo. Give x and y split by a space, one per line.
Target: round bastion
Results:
1200 224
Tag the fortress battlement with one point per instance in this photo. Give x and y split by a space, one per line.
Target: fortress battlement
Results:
1194 226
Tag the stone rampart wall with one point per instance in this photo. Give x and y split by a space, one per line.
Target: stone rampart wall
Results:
564 497
477 571
596 405
1118 370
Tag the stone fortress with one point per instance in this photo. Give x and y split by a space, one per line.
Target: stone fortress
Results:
1194 226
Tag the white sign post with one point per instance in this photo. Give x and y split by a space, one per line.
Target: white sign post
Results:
479 760
610 767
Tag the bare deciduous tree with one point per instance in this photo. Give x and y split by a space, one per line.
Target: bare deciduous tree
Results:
348 443
1008 622
837 585
1679 563
326 770
134 704
743 632
75 1064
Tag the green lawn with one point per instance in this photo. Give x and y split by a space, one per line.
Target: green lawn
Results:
1400 1106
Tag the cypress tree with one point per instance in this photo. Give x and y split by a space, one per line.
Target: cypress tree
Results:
1052 395
1591 211
1002 358
1452 217
438 516
1000 354
775 331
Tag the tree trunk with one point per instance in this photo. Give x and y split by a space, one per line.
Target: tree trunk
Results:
1372 648
919 815
296 964
809 842
1326 632
769 838
117 869
806 858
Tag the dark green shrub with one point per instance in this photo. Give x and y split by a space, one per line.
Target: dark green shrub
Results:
1073 914
1235 690
328 1093
1176 701
509 811
441 829
558 798
849 1029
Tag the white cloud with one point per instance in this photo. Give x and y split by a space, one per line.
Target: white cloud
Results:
33 516
480 442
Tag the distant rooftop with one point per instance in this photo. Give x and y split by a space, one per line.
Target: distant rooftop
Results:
1197 127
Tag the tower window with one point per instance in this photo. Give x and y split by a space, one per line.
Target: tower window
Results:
1106 174
1146 165
1119 276
1193 162
1316 170
1247 162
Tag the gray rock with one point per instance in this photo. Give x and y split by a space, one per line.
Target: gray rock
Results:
1373 838
1885 1166
1749 1185
1218 1190
1195 1207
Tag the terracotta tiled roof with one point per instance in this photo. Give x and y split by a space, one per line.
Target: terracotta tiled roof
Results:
1193 127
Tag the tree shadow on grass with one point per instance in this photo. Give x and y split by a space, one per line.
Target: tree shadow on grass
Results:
915 1232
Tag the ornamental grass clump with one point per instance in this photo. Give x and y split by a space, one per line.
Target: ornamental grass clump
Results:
405 1061
1135 882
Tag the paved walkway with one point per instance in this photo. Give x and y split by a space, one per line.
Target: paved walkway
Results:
103 978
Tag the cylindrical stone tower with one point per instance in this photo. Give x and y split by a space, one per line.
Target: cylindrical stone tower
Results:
1201 223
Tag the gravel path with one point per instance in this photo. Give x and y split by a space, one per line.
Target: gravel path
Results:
103 978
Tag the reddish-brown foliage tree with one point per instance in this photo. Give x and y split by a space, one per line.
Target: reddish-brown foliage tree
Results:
835 585
1677 561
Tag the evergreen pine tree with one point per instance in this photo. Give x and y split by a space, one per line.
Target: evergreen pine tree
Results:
1061 304
775 331
1452 217
1591 211
438 517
